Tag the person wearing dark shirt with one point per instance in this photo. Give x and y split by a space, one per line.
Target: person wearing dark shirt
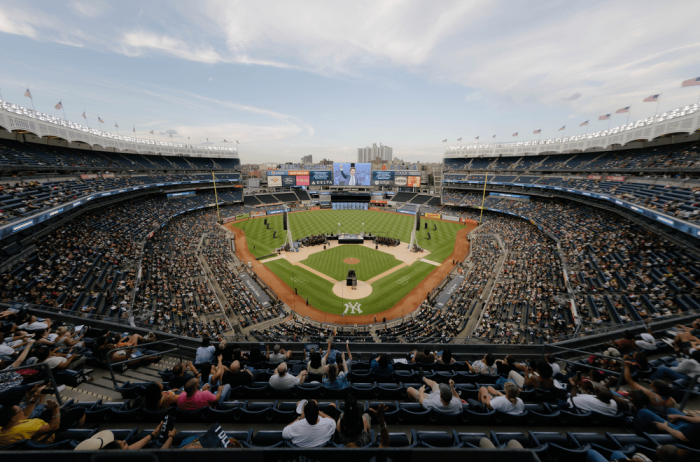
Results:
256 356
181 376
506 365
380 365
236 376
224 350
426 357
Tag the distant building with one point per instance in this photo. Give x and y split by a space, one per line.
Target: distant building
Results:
307 160
381 153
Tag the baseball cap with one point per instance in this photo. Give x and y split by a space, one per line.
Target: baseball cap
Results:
445 392
96 441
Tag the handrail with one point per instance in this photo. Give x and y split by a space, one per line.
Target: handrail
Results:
689 391
621 374
49 373
160 353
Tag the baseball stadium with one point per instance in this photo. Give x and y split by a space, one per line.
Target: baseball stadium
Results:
230 275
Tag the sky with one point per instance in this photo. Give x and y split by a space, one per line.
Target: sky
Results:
286 79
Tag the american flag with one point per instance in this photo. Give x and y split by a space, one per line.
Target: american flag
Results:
237 142
115 125
100 120
537 131
225 140
623 110
583 123
59 106
515 134
476 138
207 139
84 117
604 117
444 141
459 139
494 136
686 83
151 132
28 93
651 99
562 128
134 128
171 135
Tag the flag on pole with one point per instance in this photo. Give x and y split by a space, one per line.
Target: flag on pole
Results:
476 138
494 136
100 120
225 140
84 117
151 132
237 142
562 128
583 123
604 117
28 93
537 131
171 135
686 83
207 139
444 141
459 139
188 137
115 125
651 99
623 110
59 106
514 134
134 129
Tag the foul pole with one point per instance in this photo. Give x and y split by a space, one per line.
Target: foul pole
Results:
483 198
216 198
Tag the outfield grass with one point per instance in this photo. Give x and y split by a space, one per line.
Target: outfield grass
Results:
372 262
385 292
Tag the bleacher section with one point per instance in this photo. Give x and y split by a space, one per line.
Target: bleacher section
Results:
403 197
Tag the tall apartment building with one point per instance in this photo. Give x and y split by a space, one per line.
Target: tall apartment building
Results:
307 160
383 153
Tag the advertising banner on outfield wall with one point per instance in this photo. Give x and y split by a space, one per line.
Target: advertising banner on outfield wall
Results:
614 178
275 212
465 220
257 214
228 219
88 176
382 178
594 177
433 215
321 177
274 181
108 175
378 202
241 215
289 180
449 218
302 180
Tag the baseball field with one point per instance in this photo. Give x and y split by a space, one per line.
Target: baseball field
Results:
392 272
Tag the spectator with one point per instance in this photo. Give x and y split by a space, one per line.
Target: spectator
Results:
445 357
623 346
552 362
686 369
494 400
283 380
155 399
317 364
58 361
193 399
336 379
225 351
205 353
16 424
600 401
353 426
312 429
685 427
105 440
180 377
278 354
426 357
380 366
659 393
506 365
383 430
595 456
542 379
443 398
236 377
486 365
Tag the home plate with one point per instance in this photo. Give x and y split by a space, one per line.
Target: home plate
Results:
428 261
342 290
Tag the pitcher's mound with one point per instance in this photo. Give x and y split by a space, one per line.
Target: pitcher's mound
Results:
363 290
351 261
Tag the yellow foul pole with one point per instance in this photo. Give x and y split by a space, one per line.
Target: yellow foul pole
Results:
483 198
216 198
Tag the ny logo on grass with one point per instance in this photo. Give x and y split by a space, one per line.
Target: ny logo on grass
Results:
352 307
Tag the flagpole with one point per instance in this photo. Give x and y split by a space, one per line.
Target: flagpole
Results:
609 121
658 101
86 119
64 112
628 115
31 98
1 96
117 127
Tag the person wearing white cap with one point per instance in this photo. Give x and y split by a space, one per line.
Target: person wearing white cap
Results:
105 440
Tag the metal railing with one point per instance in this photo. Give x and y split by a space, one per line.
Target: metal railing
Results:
690 391
620 375
49 375
111 365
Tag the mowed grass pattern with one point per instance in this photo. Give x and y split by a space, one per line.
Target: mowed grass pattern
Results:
331 262
385 292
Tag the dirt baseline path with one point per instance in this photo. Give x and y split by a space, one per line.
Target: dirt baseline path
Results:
405 306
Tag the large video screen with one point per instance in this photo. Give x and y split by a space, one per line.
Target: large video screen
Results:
352 174
382 178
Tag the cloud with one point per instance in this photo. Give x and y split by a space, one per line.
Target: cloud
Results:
573 97
91 9
137 43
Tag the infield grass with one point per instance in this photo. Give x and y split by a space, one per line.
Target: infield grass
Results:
372 262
